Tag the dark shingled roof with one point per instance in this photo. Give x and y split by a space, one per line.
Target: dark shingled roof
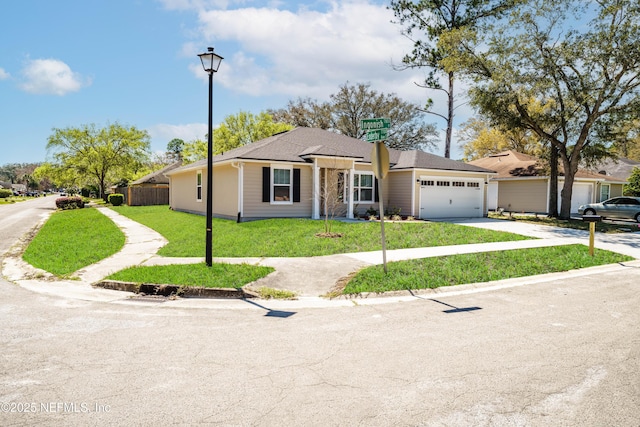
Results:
301 143
158 176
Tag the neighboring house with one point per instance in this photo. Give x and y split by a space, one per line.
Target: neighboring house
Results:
151 189
296 173
522 185
156 179
618 168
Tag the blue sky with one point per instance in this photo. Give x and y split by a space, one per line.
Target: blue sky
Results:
66 63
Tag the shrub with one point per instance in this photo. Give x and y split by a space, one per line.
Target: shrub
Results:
372 212
116 199
4 193
69 203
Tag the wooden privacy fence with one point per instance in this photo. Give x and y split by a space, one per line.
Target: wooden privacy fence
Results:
144 196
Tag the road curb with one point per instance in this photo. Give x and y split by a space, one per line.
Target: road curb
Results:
175 290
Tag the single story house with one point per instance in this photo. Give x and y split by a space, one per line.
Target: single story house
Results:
522 184
307 172
151 189
156 179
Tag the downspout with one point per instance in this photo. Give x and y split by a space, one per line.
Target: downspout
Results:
413 193
316 190
240 167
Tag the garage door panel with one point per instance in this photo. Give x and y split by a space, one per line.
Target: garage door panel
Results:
450 198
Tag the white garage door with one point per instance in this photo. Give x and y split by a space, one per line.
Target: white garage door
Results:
450 198
581 195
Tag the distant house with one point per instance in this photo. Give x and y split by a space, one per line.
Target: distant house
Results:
151 189
290 175
522 185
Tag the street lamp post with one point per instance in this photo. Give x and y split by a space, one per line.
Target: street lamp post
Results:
210 63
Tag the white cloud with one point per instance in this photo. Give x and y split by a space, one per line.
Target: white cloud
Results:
3 74
308 52
51 76
188 132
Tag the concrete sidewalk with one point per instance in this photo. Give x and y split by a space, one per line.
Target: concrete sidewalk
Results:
308 277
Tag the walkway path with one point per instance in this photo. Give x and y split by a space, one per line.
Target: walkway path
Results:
312 276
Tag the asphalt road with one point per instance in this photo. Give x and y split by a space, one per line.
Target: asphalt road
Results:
565 352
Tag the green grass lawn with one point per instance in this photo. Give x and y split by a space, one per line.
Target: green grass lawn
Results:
216 276
73 239
475 268
297 237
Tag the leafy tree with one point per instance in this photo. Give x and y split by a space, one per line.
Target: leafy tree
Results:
583 76
99 155
626 138
305 112
194 150
244 128
235 131
174 149
59 177
633 187
351 104
481 140
425 22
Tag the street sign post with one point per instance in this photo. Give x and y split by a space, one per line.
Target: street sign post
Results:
376 133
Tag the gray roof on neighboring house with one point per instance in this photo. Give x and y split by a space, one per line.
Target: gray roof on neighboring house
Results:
158 176
301 144
618 168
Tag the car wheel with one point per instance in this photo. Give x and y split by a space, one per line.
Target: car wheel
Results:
589 212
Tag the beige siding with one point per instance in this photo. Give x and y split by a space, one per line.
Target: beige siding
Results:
615 190
225 191
523 196
182 192
398 191
255 208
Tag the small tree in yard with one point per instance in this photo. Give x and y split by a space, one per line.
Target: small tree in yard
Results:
332 191
633 187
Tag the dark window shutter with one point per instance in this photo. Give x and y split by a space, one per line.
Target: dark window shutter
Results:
375 190
266 184
296 185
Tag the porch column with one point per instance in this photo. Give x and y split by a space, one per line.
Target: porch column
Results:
350 192
315 213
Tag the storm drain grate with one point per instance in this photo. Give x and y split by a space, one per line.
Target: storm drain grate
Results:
149 298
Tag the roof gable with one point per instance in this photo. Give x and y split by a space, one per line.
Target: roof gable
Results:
302 144
512 164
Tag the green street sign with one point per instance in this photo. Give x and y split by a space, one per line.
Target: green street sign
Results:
374 124
376 135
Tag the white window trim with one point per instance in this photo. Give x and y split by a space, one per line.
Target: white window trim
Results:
602 199
199 173
349 192
272 184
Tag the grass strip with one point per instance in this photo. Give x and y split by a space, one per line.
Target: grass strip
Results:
453 270
73 239
217 276
286 237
